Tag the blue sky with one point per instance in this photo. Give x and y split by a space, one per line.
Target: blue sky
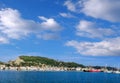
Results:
82 31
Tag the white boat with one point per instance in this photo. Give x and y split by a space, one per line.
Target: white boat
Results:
117 72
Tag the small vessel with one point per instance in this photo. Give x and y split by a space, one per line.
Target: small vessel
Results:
94 70
107 71
117 72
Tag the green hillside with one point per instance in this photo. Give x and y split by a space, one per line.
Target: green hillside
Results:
39 61
1 63
43 61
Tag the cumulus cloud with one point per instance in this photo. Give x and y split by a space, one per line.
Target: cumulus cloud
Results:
49 24
70 6
109 47
102 9
90 29
13 26
67 15
4 40
48 36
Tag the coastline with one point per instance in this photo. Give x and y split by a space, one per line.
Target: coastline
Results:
35 63
56 69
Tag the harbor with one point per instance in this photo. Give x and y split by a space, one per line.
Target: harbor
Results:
49 68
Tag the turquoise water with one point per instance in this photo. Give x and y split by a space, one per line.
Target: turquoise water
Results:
57 77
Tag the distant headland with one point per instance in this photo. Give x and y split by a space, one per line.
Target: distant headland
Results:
38 63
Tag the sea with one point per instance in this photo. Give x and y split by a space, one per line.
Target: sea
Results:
57 77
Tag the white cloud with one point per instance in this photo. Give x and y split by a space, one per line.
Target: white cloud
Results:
49 24
102 9
4 40
99 9
48 36
74 6
67 15
70 6
110 47
90 29
13 26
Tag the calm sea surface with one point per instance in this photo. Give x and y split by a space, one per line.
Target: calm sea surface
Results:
57 77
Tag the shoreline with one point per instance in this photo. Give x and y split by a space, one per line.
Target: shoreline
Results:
57 69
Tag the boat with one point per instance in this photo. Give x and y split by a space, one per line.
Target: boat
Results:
117 72
94 70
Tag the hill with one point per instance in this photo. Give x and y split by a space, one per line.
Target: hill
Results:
1 63
41 61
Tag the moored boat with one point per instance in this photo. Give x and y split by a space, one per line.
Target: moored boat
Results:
94 70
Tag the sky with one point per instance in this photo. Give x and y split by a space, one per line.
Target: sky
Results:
82 31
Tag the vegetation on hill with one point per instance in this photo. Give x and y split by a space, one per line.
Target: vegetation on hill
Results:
39 61
43 61
1 63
